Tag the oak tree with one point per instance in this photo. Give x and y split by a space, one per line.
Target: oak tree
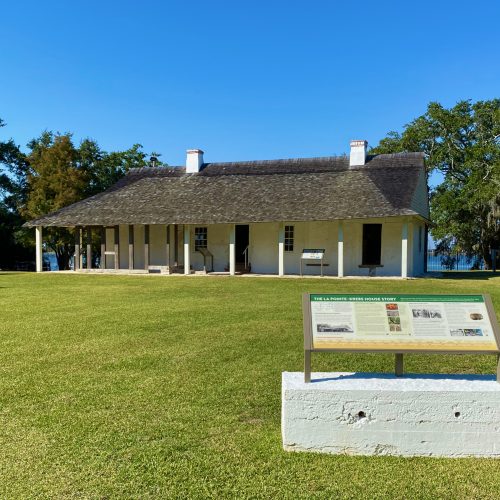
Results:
462 143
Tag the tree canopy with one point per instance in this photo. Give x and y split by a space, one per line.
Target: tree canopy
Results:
52 174
12 164
462 143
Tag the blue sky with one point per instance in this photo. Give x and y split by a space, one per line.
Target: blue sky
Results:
241 80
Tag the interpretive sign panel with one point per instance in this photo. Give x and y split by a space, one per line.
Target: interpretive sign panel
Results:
423 322
313 253
400 323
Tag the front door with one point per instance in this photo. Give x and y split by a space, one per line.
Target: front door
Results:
242 240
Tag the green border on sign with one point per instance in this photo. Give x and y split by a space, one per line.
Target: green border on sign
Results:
332 297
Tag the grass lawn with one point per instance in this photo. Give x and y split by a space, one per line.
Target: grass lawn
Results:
142 386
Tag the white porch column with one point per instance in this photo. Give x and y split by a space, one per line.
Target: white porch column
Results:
81 248
146 247
39 249
340 250
176 245
78 240
411 243
281 249
232 250
187 249
167 246
404 250
131 246
116 234
102 259
89 247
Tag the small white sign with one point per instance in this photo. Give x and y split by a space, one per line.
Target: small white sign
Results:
313 253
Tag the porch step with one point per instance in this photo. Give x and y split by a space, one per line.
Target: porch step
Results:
159 269
111 271
241 269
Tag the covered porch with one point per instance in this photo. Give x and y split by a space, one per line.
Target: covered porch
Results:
391 247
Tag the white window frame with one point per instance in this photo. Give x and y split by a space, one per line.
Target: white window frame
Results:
200 237
289 238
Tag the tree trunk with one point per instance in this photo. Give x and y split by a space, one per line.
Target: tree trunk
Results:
61 242
63 258
486 254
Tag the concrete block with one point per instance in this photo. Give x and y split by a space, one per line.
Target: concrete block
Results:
381 414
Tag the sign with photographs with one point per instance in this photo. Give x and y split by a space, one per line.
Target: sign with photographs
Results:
401 323
313 253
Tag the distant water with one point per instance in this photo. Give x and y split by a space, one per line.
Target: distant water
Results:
461 263
51 257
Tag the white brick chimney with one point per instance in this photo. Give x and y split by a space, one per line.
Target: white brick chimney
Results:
358 153
194 160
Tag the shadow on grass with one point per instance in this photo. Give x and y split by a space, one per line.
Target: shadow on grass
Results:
9 273
469 275
412 376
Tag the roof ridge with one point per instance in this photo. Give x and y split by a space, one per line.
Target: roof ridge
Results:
314 159
171 168
277 160
403 154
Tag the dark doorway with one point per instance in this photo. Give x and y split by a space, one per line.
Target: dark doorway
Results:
242 240
372 244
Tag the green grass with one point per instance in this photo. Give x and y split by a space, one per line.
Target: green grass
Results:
137 386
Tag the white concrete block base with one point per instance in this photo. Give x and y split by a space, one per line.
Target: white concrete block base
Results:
381 414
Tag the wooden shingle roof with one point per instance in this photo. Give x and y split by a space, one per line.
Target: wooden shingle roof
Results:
256 191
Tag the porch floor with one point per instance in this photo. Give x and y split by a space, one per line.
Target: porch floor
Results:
143 272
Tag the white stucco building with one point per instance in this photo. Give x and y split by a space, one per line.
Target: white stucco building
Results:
368 212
